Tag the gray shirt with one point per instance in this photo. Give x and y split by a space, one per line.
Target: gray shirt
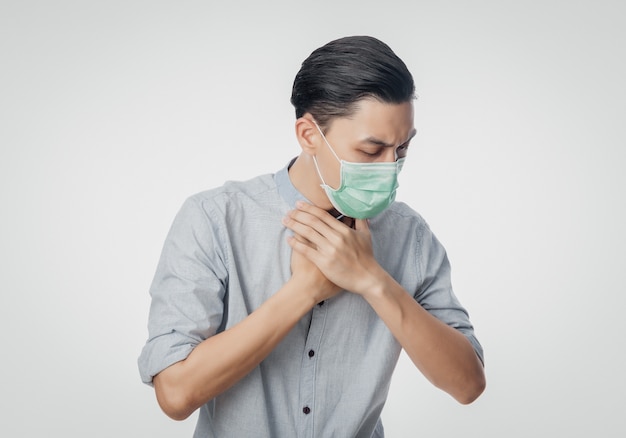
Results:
226 253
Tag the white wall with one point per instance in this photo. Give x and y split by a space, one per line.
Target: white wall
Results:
112 113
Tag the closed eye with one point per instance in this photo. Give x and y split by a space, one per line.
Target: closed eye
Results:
403 150
372 154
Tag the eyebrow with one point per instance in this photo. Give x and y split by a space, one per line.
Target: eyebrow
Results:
378 142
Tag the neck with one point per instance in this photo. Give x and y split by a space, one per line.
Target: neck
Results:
305 179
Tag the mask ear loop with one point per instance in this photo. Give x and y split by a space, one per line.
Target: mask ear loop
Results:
326 141
323 184
315 159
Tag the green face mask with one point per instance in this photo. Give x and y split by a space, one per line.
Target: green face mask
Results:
365 189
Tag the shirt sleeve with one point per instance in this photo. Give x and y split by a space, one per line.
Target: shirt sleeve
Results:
436 294
187 291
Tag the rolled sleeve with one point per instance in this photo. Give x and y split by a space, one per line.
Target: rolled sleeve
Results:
187 290
436 294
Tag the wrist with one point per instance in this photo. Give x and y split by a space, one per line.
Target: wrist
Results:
375 284
309 292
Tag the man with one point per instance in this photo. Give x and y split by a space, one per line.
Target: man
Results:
280 305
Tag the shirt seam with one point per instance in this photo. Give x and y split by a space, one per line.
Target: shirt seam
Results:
207 209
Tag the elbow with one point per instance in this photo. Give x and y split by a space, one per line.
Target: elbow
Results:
176 411
472 390
172 399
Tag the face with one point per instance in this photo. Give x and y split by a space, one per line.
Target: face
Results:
376 132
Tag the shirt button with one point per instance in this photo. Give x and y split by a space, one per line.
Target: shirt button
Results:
306 410
311 353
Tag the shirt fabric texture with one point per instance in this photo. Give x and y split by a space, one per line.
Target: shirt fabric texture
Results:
226 253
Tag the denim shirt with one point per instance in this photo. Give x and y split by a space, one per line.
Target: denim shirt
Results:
226 253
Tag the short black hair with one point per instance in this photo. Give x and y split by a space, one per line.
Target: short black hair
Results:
342 72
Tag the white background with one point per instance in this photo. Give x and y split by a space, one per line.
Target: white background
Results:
112 113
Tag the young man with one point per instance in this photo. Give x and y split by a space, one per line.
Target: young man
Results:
280 305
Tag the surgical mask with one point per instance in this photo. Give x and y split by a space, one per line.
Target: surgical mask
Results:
365 189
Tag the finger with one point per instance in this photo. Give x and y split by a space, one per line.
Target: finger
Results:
307 251
304 240
309 226
323 223
305 231
321 214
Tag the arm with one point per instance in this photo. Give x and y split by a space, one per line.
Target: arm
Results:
223 359
345 257
441 353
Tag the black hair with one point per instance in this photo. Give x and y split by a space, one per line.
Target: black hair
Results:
342 72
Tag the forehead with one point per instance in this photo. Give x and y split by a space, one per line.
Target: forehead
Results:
389 122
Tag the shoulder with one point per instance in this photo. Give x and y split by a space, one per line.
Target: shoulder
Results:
401 216
262 189
400 209
252 187
401 224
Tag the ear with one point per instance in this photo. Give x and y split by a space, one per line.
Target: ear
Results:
307 134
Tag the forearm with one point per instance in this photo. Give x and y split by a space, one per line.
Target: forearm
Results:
222 360
444 355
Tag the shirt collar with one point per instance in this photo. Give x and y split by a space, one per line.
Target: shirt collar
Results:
285 188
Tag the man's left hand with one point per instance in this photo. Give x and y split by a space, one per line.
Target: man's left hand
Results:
344 255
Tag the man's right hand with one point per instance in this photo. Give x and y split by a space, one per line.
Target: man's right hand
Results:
311 278
222 360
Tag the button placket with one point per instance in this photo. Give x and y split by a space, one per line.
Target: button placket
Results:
309 366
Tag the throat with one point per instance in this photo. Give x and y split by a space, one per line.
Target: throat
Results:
349 221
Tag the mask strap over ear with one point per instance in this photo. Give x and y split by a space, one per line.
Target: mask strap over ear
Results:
326 141
323 185
319 173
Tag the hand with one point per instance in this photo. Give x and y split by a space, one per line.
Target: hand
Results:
343 255
311 278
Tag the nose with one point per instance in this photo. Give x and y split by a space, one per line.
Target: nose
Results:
390 155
